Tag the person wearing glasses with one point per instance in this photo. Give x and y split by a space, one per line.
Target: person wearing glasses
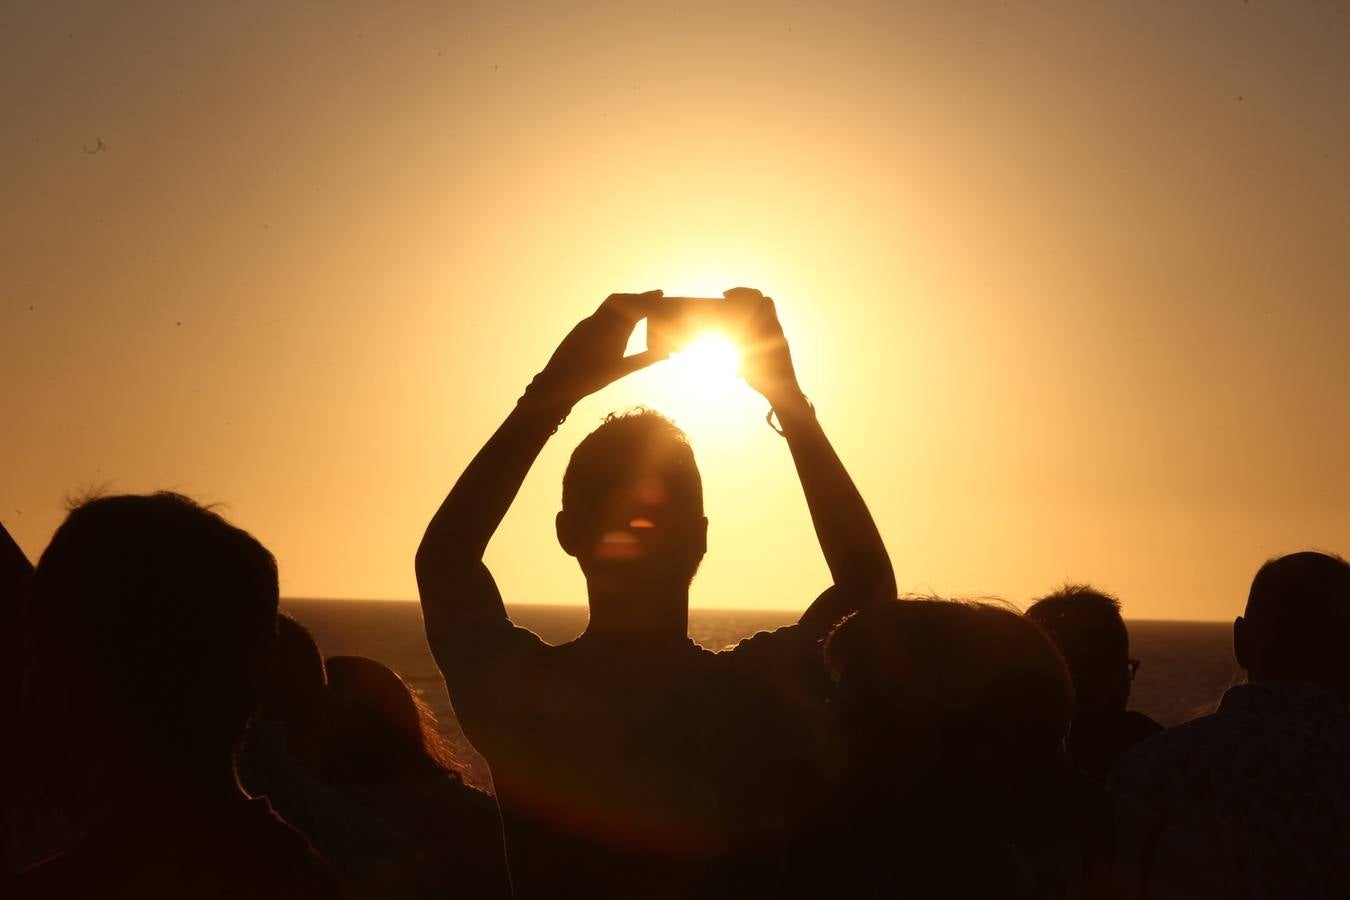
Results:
1085 624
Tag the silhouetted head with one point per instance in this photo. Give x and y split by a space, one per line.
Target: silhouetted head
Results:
15 573
965 702
1296 626
377 729
295 690
1086 626
152 625
632 506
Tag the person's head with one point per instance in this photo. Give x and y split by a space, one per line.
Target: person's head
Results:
377 730
295 691
1296 626
15 573
152 624
1086 626
964 701
632 504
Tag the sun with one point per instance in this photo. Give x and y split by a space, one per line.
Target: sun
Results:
699 387
709 362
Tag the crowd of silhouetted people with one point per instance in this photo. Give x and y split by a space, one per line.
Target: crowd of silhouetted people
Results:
169 732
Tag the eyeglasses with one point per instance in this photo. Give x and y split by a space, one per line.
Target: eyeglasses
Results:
1133 666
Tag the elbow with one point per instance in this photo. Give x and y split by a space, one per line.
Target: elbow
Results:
435 562
886 588
870 584
424 562
878 590
880 576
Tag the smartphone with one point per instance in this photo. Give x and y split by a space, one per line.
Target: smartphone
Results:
677 321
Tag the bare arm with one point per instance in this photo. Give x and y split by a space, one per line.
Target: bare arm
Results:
456 588
848 536
450 571
854 552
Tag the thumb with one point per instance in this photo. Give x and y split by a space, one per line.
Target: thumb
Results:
630 364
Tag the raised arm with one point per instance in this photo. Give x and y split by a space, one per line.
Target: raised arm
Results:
848 536
456 589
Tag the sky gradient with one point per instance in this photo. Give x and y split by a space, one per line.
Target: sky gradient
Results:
1067 283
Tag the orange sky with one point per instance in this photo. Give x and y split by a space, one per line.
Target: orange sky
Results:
1066 285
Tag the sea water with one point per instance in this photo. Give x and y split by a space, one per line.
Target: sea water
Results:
1186 666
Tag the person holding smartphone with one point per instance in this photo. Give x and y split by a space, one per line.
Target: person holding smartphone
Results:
631 762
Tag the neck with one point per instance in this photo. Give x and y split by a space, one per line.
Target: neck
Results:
636 613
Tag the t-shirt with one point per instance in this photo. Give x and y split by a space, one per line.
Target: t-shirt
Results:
638 769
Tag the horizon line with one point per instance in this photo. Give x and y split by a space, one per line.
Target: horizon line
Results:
692 608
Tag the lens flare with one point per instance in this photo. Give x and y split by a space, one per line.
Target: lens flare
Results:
709 362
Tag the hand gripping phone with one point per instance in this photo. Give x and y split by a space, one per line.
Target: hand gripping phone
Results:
677 321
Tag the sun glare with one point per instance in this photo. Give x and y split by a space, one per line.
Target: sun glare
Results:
699 386
708 363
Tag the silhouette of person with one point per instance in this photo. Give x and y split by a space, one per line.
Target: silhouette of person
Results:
959 784
1086 625
383 753
30 828
631 762
1269 770
279 758
15 573
152 622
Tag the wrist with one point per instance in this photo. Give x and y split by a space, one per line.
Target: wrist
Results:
790 413
544 402
788 399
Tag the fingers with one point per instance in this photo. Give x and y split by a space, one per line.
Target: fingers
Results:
761 309
631 306
630 364
765 315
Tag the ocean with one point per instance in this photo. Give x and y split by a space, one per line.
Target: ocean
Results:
1186 666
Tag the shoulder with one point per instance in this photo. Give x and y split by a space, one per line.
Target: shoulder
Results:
1172 755
475 656
761 641
1140 722
1135 727
1188 737
787 644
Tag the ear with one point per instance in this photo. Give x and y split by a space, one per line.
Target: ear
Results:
1242 650
702 537
567 536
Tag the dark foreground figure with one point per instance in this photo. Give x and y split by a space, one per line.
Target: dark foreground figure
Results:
347 755
1087 627
30 829
1270 770
152 625
959 784
383 757
632 762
